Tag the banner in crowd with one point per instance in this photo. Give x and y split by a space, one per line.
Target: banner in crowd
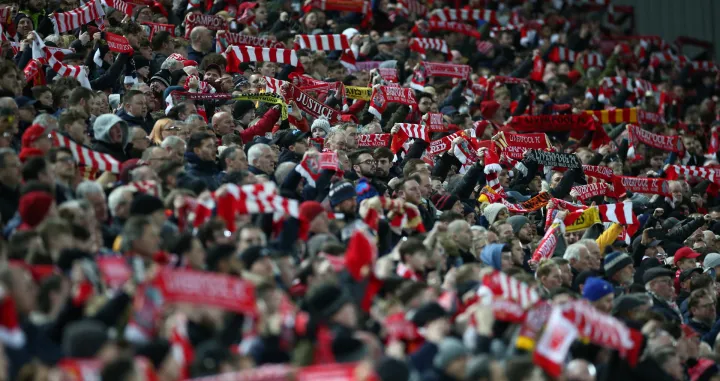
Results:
627 115
308 104
585 192
208 289
211 22
435 122
382 95
514 146
267 98
118 43
555 159
662 142
356 92
243 39
373 140
646 185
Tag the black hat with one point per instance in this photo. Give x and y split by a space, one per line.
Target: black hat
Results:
326 300
84 338
21 16
217 253
239 81
145 205
656 272
156 351
687 274
163 76
390 369
627 302
429 312
214 67
241 108
209 356
286 138
347 349
251 255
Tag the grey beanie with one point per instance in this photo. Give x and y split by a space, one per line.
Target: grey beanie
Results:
322 124
449 350
712 260
517 222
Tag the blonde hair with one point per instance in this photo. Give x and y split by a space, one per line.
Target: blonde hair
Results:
158 128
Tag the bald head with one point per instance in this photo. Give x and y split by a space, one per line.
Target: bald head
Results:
197 33
580 370
457 226
222 123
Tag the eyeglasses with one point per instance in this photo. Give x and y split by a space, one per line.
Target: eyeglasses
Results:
369 162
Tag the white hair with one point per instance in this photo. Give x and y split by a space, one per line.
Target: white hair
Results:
283 170
478 228
117 196
169 63
171 142
256 151
573 251
46 120
88 187
193 118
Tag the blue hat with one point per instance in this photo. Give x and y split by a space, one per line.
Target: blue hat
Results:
615 262
341 191
596 288
491 255
364 190
24 101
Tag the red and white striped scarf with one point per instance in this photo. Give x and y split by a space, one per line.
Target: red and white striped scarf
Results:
254 199
406 8
585 192
84 156
74 19
504 286
562 54
40 51
434 69
407 273
420 44
547 245
148 187
620 213
242 39
240 54
465 15
424 27
407 131
120 5
322 42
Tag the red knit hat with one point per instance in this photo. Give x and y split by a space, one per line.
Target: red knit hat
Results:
33 209
308 211
32 134
28 152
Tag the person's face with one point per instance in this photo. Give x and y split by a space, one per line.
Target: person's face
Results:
27 114
517 253
506 261
625 275
64 165
553 279
211 76
383 166
250 237
422 169
158 158
139 139
605 304
663 287
705 310
24 27
224 124
137 105
99 206
504 178
311 21
505 231
207 150
566 274
424 105
583 262
145 15
366 165
149 242
502 215
239 161
10 82
555 180
526 234
169 130
269 69
463 237
265 162
46 99
116 134
247 118
411 192
24 291
676 191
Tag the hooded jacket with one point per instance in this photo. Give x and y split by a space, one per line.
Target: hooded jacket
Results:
101 130
206 171
133 121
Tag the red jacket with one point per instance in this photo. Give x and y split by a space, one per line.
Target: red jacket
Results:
262 127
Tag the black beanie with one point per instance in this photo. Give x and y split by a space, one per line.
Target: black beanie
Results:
156 351
145 205
326 300
241 108
251 255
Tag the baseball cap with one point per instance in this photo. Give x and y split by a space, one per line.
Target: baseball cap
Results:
685 252
286 138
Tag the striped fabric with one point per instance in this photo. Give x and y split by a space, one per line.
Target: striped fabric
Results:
406 8
84 156
240 54
429 43
507 287
40 51
262 198
74 19
415 131
32 69
627 115
322 42
563 54
465 15
620 213
707 173
148 187
120 5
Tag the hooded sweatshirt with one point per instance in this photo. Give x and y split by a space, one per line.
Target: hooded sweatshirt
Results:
101 129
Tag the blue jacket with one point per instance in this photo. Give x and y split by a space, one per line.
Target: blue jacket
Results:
205 171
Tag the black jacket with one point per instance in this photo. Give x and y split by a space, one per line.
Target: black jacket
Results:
9 205
113 149
205 171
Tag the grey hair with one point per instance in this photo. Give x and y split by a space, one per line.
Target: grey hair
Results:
116 196
256 151
478 228
133 230
171 141
148 152
7 102
46 120
193 118
283 170
4 152
573 251
169 63
586 241
88 187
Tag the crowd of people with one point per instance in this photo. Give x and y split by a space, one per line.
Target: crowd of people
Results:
354 190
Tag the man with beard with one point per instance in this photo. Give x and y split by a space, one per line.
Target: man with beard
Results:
659 285
461 234
139 142
525 232
292 143
201 43
385 170
676 201
365 166
619 271
343 199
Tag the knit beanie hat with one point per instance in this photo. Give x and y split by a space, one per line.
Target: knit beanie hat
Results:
364 190
445 202
309 210
596 288
517 222
449 350
33 208
322 124
241 108
491 255
326 300
145 205
615 262
341 191
491 211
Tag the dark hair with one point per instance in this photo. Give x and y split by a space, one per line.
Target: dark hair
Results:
424 95
410 247
7 66
119 369
701 281
168 168
160 38
207 231
227 152
33 167
80 232
38 91
694 298
410 166
182 244
54 151
231 138
131 28
57 92
69 117
449 216
175 111
212 58
80 93
196 140
383 153
354 156
50 284
35 186
130 94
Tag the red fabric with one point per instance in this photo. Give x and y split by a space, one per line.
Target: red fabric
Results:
262 127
